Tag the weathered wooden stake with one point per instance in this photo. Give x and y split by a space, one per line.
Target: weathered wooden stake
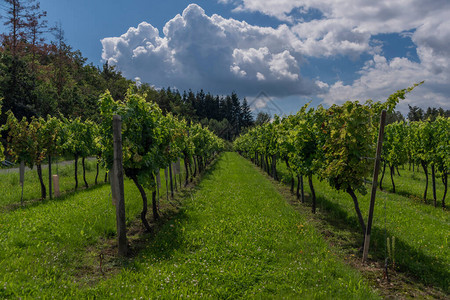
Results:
374 185
158 183
22 178
50 176
117 188
55 179
166 178
178 164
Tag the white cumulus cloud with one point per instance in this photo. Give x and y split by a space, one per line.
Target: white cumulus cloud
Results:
347 28
211 52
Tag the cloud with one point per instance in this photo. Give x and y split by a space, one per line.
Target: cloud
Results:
331 37
211 52
347 28
196 51
379 78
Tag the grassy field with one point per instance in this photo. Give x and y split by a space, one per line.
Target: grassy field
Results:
9 181
234 237
44 244
421 231
412 185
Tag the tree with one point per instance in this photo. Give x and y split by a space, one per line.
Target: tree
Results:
246 115
262 118
114 82
236 114
431 114
25 26
2 150
36 27
395 116
16 15
415 113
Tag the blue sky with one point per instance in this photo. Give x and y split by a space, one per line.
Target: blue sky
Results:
294 51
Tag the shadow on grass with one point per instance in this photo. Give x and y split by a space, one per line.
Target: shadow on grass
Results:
415 197
167 236
27 204
415 263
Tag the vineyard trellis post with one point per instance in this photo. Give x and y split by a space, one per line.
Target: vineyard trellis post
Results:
22 178
117 187
374 185
50 176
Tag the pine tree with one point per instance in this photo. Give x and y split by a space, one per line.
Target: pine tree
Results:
262 118
36 27
235 114
246 115
16 85
415 113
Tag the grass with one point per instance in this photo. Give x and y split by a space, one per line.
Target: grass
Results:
43 244
421 231
234 237
9 181
46 244
412 185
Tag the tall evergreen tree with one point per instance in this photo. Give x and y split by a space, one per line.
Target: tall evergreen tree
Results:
415 113
246 115
16 85
235 114
200 104
262 118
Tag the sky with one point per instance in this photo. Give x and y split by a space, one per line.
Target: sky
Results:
279 54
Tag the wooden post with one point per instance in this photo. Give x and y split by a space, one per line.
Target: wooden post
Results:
50 176
158 177
174 171
166 177
374 185
171 179
117 188
22 177
158 183
178 165
55 179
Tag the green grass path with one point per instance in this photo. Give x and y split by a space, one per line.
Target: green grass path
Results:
236 237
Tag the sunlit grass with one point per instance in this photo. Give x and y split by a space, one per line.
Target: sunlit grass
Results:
44 243
236 237
412 184
421 231
11 189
